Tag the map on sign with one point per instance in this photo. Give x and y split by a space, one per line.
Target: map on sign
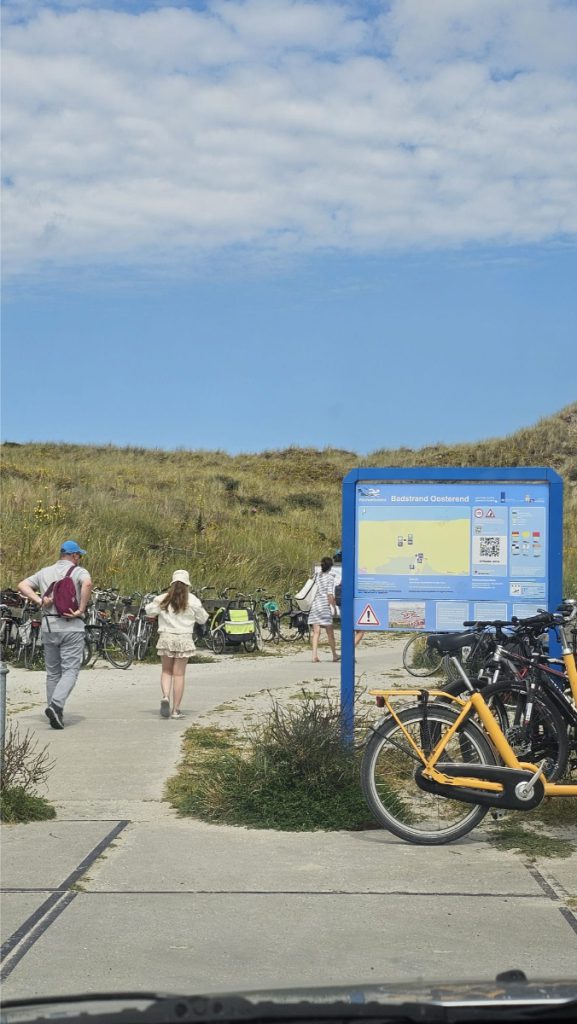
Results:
430 556
416 546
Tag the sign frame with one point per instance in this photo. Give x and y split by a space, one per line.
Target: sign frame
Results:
444 475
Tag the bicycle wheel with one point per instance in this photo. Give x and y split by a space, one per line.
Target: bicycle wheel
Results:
288 627
275 629
117 648
34 654
250 645
218 641
142 644
259 640
419 659
265 626
535 732
86 653
388 777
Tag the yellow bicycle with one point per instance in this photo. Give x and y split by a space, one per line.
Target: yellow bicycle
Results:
433 769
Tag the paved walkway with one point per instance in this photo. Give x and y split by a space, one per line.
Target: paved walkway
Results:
119 893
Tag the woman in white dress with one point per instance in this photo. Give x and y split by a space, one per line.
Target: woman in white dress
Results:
323 609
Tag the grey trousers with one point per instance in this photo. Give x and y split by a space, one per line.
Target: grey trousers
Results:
63 655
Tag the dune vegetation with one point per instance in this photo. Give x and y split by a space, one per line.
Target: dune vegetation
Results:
243 521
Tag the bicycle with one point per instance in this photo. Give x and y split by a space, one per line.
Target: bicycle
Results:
269 620
138 626
12 616
530 692
106 639
477 647
266 611
201 632
31 639
430 772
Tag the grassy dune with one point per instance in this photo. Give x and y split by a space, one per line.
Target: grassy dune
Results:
242 521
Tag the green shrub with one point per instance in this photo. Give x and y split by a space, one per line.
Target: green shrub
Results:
24 767
292 773
19 805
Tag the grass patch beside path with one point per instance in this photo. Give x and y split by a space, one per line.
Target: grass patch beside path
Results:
24 768
557 811
529 834
17 806
289 773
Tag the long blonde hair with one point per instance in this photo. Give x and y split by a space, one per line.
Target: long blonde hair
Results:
176 597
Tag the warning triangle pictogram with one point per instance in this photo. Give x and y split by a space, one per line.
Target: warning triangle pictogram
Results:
489 514
368 617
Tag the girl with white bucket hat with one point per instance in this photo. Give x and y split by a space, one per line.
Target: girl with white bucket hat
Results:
177 610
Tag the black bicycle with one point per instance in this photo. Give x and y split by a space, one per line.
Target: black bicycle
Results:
530 694
13 616
105 639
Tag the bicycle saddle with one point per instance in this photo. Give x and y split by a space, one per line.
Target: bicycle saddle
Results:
447 643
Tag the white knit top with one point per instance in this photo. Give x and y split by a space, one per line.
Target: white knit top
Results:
170 621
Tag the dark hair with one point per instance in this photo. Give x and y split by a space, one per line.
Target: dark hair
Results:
326 564
177 597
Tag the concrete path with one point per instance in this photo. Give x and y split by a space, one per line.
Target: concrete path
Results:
119 893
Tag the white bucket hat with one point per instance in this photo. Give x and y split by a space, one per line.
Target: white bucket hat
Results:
181 576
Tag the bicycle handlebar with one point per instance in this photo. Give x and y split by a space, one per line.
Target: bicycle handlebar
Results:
542 619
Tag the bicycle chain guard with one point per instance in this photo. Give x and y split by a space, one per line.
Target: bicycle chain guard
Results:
508 777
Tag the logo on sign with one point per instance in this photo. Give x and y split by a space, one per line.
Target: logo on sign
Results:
368 617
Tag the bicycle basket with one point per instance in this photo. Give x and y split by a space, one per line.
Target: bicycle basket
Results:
299 619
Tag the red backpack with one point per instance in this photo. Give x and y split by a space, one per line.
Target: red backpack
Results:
63 593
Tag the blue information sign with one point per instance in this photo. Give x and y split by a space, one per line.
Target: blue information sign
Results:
429 548
431 556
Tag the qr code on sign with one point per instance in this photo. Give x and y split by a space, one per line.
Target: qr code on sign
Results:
490 547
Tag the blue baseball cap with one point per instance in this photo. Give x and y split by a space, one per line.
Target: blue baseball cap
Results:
70 547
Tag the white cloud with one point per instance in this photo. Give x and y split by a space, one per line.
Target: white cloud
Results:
157 135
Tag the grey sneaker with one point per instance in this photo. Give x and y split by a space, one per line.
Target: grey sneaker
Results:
165 707
54 715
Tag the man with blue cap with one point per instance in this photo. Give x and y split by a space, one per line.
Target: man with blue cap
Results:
62 631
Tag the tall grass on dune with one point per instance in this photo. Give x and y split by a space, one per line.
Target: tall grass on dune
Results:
245 521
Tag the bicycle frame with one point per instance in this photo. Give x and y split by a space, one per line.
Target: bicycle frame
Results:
475 703
569 662
536 662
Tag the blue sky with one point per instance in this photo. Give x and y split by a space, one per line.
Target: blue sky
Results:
245 225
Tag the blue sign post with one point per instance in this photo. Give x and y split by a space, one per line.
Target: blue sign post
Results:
429 548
